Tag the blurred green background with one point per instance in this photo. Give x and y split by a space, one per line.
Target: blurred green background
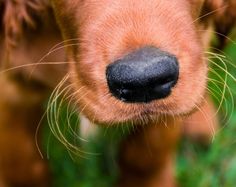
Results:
197 165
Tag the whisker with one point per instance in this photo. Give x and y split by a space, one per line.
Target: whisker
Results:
33 64
207 118
54 111
65 78
223 59
210 13
223 35
225 70
49 53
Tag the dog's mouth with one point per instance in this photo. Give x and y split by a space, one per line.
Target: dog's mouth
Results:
140 87
144 115
112 111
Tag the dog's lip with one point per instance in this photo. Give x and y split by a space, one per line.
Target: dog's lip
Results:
148 115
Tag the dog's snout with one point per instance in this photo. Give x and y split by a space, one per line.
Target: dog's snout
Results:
144 75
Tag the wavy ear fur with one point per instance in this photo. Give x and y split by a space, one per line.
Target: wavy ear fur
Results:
17 15
223 18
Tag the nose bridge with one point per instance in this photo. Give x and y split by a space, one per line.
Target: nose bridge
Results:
145 63
143 30
134 23
143 75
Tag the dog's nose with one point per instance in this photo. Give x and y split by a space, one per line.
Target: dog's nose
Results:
144 75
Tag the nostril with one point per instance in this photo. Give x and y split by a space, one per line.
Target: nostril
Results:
125 94
161 90
168 80
143 76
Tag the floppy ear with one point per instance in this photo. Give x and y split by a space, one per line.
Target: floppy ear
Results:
18 15
223 17
226 21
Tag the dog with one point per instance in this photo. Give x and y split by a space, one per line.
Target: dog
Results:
130 61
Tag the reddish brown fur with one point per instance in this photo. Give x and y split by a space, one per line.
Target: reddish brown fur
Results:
107 30
139 28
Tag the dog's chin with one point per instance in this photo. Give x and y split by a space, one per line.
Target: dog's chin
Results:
136 114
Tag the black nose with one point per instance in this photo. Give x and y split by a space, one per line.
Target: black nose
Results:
144 75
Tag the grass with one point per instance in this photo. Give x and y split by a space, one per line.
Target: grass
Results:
213 166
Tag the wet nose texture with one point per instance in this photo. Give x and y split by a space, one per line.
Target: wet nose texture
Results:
142 76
